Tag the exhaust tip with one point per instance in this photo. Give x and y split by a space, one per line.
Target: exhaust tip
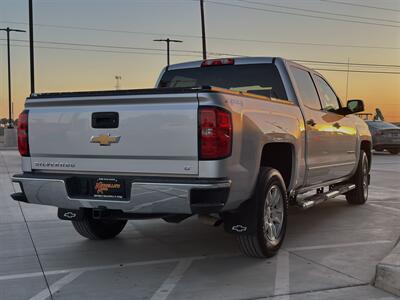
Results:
210 220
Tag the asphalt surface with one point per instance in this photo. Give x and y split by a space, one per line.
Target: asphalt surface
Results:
330 252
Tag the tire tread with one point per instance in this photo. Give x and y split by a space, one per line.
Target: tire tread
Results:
249 244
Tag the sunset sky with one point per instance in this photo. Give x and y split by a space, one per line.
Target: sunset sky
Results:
84 44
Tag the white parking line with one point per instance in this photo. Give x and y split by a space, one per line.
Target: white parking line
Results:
172 260
339 245
282 276
56 286
21 276
172 280
114 266
385 207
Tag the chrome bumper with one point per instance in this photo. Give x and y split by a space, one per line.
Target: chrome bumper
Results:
145 197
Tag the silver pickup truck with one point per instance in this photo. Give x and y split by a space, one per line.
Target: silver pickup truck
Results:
234 141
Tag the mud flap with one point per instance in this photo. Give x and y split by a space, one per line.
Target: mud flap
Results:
242 220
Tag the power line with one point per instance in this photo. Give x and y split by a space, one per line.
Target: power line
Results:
361 5
192 52
191 55
345 63
208 37
111 47
317 11
299 14
303 43
357 71
103 51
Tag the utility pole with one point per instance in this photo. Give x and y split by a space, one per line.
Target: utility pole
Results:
31 50
203 29
168 41
8 30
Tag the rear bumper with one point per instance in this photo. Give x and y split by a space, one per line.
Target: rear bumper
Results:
147 195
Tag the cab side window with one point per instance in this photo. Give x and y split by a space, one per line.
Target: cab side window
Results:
307 90
329 100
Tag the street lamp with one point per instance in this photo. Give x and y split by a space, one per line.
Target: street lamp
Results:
8 30
117 79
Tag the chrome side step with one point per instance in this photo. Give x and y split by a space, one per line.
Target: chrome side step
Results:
322 197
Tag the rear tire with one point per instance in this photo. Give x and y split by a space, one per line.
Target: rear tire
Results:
359 195
94 229
394 151
272 205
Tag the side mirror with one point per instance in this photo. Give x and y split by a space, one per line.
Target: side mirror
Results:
355 106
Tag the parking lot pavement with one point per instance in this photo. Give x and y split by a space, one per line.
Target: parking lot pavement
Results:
330 252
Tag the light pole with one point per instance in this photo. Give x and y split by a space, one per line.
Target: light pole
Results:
203 29
168 41
8 30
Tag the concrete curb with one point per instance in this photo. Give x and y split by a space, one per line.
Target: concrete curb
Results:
387 275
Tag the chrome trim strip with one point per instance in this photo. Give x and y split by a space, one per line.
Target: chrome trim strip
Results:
332 165
34 155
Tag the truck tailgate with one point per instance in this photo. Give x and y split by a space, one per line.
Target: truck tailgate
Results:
157 134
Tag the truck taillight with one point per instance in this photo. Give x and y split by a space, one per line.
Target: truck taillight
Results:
23 143
217 62
215 133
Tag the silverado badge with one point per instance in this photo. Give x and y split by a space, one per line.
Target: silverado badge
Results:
105 139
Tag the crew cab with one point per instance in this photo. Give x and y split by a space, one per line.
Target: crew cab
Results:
233 140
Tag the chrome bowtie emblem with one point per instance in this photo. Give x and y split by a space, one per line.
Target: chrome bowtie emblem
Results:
105 139
70 215
239 228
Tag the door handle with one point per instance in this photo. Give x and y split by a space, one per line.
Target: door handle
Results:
336 125
311 122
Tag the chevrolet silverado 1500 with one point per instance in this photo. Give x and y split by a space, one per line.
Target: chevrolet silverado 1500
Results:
232 140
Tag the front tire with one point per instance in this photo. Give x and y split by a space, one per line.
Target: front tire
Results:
94 229
359 195
272 206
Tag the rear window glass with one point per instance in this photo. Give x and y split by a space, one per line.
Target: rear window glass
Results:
259 79
306 87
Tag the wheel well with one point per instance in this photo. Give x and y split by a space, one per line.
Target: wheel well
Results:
280 157
366 146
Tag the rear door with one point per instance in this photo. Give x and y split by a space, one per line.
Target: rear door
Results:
343 127
321 158
155 134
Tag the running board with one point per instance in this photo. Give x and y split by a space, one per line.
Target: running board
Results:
322 197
